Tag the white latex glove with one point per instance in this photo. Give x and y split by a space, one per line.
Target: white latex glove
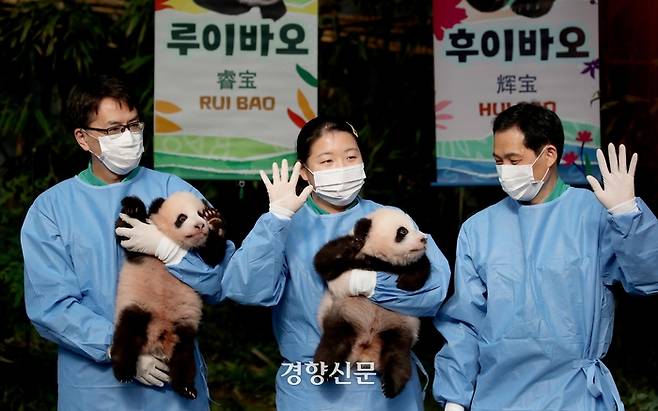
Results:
353 282
451 406
147 239
284 201
151 370
363 282
619 193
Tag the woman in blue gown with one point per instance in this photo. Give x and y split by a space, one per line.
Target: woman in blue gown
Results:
274 267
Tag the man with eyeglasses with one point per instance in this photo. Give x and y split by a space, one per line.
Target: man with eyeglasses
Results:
72 259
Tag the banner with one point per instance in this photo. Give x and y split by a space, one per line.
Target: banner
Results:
234 82
491 54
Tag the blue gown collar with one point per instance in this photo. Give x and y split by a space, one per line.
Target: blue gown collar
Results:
87 176
317 210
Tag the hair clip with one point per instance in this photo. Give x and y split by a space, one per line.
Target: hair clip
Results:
353 130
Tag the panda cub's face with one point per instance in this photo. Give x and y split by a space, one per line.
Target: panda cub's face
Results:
394 238
179 217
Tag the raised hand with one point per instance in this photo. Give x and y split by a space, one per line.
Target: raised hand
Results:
618 191
284 200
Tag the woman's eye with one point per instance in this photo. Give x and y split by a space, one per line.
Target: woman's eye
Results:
326 161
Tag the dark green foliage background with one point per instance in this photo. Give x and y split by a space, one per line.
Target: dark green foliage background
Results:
47 45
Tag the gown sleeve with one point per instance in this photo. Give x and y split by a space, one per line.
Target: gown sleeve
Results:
53 299
423 302
459 321
256 274
204 279
629 250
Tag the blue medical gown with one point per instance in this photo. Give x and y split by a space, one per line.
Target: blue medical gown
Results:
274 267
532 314
72 263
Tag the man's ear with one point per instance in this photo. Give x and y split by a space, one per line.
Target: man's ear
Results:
80 138
551 154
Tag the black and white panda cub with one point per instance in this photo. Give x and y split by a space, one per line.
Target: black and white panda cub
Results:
155 312
355 328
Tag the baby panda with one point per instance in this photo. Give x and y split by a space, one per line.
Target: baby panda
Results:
155 312
355 328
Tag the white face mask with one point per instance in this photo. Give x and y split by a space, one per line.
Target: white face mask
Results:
121 152
518 181
339 186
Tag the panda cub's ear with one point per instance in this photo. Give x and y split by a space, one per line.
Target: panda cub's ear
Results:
361 230
155 205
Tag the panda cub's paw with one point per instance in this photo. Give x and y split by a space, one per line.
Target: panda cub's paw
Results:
185 391
410 282
124 372
133 207
391 387
214 219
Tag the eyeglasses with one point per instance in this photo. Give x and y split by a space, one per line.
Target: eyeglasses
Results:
134 127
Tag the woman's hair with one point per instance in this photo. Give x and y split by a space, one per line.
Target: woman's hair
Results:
315 129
